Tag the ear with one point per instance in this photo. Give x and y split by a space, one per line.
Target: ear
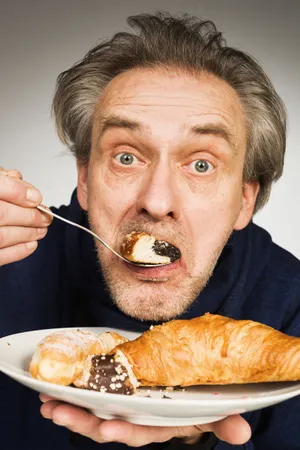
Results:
82 190
250 192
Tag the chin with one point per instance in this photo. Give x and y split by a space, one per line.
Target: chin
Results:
154 301
149 310
154 295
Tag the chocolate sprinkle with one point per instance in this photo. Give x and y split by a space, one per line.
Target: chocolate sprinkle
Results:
107 375
163 248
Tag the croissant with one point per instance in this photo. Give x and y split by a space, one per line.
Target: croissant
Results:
60 357
211 349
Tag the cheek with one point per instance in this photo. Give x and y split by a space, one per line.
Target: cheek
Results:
212 216
219 199
108 199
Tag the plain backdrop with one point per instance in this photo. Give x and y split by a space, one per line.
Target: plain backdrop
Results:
40 39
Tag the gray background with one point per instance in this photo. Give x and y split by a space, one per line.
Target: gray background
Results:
39 39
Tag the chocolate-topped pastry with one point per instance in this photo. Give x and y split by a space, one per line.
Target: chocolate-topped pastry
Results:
107 375
165 249
141 247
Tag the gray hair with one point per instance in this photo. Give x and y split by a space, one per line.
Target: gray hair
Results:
189 44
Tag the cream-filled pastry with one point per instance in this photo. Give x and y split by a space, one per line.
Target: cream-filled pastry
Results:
141 247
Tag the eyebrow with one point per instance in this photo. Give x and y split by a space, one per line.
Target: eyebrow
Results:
215 129
218 130
112 121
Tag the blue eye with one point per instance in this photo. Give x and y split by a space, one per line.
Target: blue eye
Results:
126 159
201 166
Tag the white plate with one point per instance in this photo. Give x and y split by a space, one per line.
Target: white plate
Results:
193 406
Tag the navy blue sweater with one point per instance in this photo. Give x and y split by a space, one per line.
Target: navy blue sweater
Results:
60 285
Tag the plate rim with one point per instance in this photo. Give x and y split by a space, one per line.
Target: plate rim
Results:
132 399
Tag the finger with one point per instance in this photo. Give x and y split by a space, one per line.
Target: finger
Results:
18 192
14 173
10 236
14 215
17 252
138 435
233 429
75 419
48 408
45 398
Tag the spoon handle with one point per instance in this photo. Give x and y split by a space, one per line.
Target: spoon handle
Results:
48 211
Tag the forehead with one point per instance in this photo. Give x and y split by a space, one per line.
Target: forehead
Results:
178 100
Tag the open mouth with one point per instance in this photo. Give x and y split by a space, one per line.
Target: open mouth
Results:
143 248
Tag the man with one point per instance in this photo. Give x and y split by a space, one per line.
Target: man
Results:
177 135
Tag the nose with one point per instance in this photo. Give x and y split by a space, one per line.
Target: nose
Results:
158 195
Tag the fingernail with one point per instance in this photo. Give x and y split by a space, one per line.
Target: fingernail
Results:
33 195
46 218
44 398
42 231
60 423
31 245
3 172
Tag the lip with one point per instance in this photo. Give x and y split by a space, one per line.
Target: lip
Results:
155 272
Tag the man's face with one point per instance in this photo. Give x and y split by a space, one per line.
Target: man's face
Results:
167 158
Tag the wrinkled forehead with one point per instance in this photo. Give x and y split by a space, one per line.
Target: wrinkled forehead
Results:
177 101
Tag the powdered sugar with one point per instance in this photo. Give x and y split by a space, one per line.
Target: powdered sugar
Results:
69 342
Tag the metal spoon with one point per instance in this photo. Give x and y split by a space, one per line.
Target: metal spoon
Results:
48 211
